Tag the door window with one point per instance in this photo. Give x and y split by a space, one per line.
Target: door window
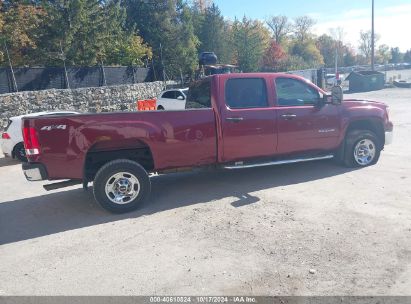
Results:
243 93
293 92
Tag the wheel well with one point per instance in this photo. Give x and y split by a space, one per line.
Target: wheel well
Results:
13 152
96 159
372 125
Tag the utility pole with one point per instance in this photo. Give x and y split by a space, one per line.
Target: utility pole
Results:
372 39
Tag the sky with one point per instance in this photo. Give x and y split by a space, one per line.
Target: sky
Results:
392 17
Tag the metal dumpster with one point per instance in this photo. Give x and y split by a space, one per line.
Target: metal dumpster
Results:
363 81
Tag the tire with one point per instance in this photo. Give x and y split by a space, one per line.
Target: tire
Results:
160 108
20 152
121 186
362 149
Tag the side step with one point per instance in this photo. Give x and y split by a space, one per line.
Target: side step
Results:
68 183
241 165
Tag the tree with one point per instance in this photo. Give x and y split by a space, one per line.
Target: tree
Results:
274 57
407 56
251 39
349 57
396 56
383 54
185 58
128 51
167 23
20 26
365 44
280 26
85 30
308 51
215 35
302 27
326 45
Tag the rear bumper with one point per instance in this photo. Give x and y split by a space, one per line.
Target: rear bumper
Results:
34 172
389 137
7 147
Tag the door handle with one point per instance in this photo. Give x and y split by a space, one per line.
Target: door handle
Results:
288 116
234 119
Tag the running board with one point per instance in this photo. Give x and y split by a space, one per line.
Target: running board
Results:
241 165
63 184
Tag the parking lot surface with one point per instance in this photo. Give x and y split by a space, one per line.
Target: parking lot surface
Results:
304 229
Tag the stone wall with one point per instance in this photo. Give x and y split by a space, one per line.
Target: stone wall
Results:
112 98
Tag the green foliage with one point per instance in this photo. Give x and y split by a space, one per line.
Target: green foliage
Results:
167 23
85 30
383 54
130 32
396 55
326 45
349 59
19 30
308 51
215 34
250 39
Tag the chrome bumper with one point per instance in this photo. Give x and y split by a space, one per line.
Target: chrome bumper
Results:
389 137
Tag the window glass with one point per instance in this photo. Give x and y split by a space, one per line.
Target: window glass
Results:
199 95
179 94
169 94
243 93
292 92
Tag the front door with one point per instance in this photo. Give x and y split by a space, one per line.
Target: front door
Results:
248 121
303 124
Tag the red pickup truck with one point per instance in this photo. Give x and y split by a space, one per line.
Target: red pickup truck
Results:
231 121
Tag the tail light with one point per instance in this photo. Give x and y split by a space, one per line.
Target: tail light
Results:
31 142
5 135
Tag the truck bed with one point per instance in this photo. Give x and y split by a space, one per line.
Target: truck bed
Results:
174 138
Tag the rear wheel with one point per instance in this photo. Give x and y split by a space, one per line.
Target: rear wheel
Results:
121 186
160 108
20 152
362 149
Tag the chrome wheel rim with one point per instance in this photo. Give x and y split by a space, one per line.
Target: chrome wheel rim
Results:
122 188
364 152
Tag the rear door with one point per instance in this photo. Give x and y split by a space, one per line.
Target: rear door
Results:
248 119
304 124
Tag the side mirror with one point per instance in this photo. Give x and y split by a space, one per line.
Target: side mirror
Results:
180 97
337 95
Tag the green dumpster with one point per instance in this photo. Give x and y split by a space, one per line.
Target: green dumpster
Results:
364 81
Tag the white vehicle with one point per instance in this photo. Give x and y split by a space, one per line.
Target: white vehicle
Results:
331 79
12 138
174 99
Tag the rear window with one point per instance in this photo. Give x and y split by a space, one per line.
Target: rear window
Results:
241 93
8 125
169 95
199 95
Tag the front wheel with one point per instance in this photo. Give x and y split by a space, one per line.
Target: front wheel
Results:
121 186
362 149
